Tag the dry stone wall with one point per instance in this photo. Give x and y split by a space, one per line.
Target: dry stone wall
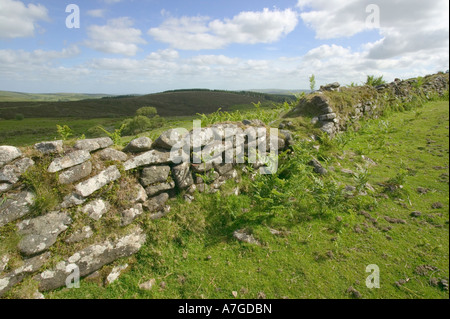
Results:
144 176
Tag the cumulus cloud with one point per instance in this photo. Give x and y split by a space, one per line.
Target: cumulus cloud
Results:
18 20
406 26
117 37
198 33
96 13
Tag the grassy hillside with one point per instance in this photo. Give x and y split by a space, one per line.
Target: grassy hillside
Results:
317 237
176 103
8 96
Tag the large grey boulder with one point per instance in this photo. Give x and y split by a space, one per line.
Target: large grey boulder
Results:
139 145
15 207
76 173
40 233
96 209
49 147
94 144
153 157
8 154
159 188
111 154
182 175
93 184
91 259
154 174
169 139
16 276
70 160
156 203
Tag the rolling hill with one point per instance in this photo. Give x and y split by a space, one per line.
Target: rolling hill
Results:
171 103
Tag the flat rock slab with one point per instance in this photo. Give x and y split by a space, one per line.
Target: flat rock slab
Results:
76 173
41 232
94 144
68 161
154 174
111 154
139 145
91 259
8 154
156 203
153 157
16 276
49 147
15 207
159 188
93 184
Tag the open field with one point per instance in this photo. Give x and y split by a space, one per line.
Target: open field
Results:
315 240
7 96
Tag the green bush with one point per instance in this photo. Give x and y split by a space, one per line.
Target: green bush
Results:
147 111
374 81
19 117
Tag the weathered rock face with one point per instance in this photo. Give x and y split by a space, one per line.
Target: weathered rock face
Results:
15 207
159 188
8 154
30 266
139 145
41 232
96 209
156 203
80 235
92 259
129 215
154 174
52 147
11 173
76 173
152 157
95 144
110 154
93 184
68 161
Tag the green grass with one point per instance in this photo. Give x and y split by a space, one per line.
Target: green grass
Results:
325 243
7 96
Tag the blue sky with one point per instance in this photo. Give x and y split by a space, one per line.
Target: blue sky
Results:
146 46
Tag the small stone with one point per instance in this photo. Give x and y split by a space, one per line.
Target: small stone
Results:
8 154
243 236
96 209
52 147
354 293
76 173
148 285
156 203
129 215
115 273
437 205
15 207
416 214
139 145
110 154
80 235
95 183
95 144
154 174
70 160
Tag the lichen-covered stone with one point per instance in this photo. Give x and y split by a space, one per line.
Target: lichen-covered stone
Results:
80 235
15 207
96 209
129 215
51 147
8 154
93 184
71 200
14 277
76 173
139 145
111 154
94 144
91 259
153 157
156 203
182 175
40 233
154 174
11 173
168 139
115 273
70 160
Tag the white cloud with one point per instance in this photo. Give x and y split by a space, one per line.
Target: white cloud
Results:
117 37
198 33
96 13
18 20
14 58
407 26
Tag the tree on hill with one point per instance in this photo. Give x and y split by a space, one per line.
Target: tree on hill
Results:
148 111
